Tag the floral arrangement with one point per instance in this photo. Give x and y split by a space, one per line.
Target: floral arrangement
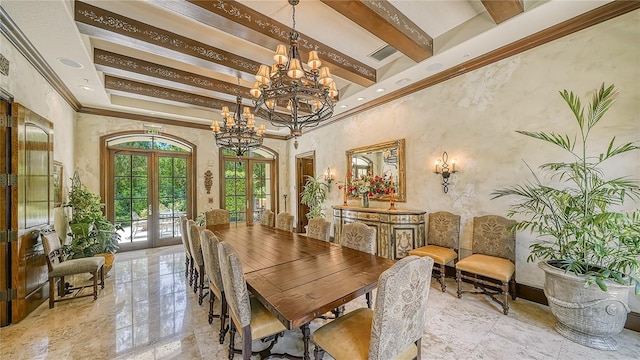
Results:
372 185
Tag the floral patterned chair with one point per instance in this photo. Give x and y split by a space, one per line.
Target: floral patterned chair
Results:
246 313
217 217
267 218
188 259
196 251
319 228
360 237
442 242
493 259
284 221
210 243
394 329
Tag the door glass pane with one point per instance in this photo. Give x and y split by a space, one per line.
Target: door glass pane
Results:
261 189
235 190
131 200
172 194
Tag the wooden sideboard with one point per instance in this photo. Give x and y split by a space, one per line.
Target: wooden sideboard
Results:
397 231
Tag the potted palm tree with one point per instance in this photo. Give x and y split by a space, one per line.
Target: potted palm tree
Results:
590 250
313 195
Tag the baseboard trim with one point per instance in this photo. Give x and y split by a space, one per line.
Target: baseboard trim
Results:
537 295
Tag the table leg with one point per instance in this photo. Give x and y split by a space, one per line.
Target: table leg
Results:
305 340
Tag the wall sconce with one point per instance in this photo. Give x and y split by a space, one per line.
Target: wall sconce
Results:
328 177
442 167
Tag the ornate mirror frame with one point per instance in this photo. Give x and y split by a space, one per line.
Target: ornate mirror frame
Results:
394 146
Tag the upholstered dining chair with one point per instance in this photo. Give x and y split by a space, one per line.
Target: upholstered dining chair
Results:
394 329
217 217
59 268
267 218
198 268
443 240
360 237
493 262
246 313
284 221
319 228
188 262
209 243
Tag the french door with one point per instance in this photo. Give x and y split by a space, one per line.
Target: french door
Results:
150 193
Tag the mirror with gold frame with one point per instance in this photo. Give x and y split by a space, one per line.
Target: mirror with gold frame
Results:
385 158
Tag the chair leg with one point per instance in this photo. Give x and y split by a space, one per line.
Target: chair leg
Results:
318 353
102 277
459 281
201 285
191 272
443 285
212 299
505 290
62 287
195 280
224 314
368 296
52 292
186 265
232 337
95 284
512 288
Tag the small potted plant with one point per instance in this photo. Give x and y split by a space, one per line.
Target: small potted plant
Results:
591 250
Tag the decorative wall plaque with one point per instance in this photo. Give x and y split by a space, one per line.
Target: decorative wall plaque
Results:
208 181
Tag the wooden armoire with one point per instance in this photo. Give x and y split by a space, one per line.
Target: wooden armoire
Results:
26 206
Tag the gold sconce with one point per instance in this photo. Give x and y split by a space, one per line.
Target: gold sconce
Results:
328 177
442 168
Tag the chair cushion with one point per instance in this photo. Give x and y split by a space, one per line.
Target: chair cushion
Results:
489 266
77 266
440 255
263 322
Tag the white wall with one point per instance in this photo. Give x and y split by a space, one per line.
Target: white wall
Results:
474 117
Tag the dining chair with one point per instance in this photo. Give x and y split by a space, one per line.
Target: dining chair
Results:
284 221
246 313
319 228
209 243
267 218
493 262
58 268
394 329
217 217
443 240
196 252
188 262
360 237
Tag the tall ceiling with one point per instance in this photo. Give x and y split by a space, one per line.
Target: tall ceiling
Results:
180 61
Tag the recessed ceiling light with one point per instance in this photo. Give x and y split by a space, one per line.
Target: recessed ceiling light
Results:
70 63
85 88
379 90
343 106
360 99
434 67
403 81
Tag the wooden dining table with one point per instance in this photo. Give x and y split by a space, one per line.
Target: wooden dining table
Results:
298 278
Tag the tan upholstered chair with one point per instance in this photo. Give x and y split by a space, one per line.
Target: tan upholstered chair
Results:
217 217
267 218
196 252
58 269
493 262
188 262
394 329
319 228
442 242
284 221
360 237
209 244
246 312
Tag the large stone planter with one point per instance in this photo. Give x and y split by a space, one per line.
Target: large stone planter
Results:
588 316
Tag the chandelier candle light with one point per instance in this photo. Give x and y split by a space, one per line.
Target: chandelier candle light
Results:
292 94
238 131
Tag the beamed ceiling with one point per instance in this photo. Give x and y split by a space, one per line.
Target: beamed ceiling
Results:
178 62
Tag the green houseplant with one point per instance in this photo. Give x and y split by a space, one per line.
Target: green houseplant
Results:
579 230
90 231
313 195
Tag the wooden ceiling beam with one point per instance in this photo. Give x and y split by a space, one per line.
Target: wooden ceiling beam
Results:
502 10
386 22
243 22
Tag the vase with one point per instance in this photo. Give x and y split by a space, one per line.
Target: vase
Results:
365 200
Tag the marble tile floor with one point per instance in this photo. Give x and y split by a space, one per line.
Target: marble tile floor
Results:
146 312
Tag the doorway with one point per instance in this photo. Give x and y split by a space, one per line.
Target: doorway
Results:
305 166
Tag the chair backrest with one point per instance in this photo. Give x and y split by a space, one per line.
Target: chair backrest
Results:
318 228
267 218
52 249
194 243
491 236
184 232
235 287
400 314
359 236
217 217
284 221
209 243
444 230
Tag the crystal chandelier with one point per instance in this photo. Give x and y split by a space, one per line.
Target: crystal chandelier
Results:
238 132
291 94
